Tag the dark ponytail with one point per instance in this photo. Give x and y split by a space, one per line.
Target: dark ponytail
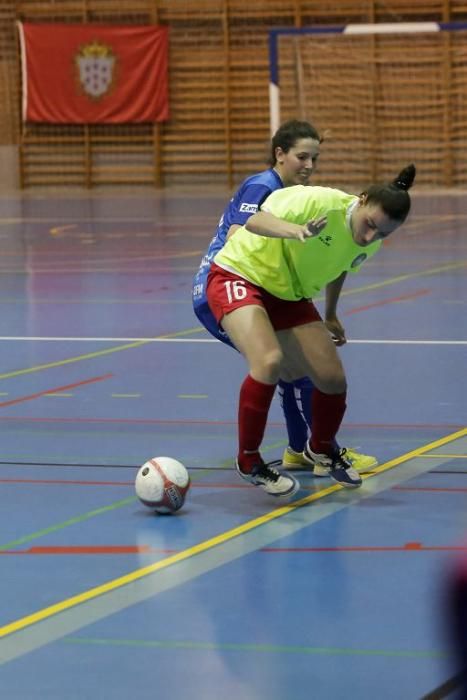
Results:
404 180
393 198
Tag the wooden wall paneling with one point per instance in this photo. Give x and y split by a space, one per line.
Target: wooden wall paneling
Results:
195 140
219 126
458 125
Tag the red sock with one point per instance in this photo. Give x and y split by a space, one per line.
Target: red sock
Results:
255 400
327 411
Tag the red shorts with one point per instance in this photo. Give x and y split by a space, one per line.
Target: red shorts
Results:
227 291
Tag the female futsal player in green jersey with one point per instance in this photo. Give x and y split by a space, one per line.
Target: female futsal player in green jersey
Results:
295 149
260 288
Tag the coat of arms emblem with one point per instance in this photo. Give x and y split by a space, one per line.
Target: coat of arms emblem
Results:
95 64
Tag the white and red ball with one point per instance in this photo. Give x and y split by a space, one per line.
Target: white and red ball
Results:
162 484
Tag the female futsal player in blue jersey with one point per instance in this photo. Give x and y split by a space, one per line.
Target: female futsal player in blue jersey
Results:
295 151
304 239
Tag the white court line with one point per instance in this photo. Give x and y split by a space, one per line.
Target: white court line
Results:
213 340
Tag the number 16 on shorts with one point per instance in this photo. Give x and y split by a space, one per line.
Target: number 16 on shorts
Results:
235 290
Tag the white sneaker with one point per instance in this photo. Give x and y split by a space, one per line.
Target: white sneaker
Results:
271 480
335 466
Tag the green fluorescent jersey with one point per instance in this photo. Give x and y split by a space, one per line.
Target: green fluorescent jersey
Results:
290 269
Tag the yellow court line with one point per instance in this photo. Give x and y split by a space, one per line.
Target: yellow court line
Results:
447 456
190 331
399 278
59 395
138 574
125 396
92 264
98 353
402 278
137 258
192 396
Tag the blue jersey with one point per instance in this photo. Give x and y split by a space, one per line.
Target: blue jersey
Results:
245 202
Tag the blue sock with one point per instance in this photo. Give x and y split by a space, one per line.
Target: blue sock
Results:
303 391
297 429
295 400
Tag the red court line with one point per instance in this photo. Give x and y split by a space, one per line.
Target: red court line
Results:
78 482
93 549
125 421
55 390
83 549
146 549
183 421
210 485
73 482
408 547
384 302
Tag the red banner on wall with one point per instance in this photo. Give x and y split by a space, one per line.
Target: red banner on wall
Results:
94 74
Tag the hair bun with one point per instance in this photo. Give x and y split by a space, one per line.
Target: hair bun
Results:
404 180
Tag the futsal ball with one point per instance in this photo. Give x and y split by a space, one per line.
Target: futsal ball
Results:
162 484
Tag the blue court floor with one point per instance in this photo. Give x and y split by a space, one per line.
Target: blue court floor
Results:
333 596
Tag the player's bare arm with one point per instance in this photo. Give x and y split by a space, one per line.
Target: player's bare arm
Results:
263 223
333 291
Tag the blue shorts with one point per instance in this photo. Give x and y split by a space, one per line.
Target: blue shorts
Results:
205 316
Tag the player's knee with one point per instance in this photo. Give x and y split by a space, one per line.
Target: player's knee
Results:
267 368
332 382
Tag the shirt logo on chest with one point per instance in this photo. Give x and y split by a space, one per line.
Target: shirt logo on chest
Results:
248 208
359 260
326 240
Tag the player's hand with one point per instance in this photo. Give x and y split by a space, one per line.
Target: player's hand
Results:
311 229
336 330
315 226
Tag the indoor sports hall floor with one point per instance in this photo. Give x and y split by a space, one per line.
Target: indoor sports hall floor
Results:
338 595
